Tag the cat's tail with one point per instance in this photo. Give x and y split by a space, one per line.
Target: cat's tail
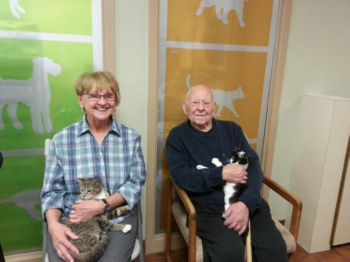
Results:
5 200
94 253
188 82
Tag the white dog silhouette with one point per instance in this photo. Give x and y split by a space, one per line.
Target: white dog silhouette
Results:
223 98
34 92
16 8
226 6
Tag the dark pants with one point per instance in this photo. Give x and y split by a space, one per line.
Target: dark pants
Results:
221 244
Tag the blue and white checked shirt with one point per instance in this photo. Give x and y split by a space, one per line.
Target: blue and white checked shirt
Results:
74 153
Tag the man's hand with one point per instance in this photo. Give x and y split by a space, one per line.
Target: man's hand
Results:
237 216
59 234
84 210
235 173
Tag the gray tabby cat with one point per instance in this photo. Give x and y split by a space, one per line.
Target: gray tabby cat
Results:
93 241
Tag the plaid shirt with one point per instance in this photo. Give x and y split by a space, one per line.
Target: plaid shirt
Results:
74 153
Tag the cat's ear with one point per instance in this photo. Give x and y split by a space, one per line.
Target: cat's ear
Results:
96 182
80 180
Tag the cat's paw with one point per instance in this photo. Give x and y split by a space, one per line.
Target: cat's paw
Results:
216 162
200 167
121 210
126 229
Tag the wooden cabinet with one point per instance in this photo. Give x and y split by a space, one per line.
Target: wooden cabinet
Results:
341 225
318 163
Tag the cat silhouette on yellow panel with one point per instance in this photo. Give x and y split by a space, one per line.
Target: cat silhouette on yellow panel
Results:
223 98
223 7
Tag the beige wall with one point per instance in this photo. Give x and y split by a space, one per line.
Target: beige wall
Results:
132 64
132 68
318 61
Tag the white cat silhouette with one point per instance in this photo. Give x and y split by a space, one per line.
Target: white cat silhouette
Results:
34 92
16 9
226 6
223 98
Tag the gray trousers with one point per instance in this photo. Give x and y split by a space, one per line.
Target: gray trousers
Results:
119 249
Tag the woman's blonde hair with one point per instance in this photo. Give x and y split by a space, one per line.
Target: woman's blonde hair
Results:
100 80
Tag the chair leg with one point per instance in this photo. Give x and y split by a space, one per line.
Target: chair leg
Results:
44 232
168 225
291 257
192 228
139 231
2 257
249 251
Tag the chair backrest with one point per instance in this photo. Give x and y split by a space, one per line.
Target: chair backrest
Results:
47 146
1 159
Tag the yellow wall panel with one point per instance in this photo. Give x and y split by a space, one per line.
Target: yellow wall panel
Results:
185 25
219 70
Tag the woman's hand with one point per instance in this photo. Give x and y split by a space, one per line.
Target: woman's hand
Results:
84 210
237 216
235 173
59 234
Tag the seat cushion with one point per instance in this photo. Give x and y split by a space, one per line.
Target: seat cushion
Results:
287 236
180 216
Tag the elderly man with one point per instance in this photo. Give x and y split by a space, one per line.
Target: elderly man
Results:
196 142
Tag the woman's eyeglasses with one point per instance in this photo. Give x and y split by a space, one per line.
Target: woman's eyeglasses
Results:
97 97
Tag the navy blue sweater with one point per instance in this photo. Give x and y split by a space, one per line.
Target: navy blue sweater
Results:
187 147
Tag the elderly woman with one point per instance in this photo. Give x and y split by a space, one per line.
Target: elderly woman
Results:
96 147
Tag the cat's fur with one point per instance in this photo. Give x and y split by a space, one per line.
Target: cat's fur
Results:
232 191
93 189
93 241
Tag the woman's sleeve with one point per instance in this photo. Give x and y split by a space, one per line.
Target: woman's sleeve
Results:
53 186
132 188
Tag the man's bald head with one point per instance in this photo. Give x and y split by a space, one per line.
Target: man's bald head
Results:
196 88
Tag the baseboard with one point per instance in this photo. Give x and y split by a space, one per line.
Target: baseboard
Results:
26 257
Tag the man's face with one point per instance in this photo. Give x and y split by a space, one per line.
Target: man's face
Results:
199 108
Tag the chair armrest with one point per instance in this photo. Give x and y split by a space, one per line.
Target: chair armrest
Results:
292 199
185 200
192 222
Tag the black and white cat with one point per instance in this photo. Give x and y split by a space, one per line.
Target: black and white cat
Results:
232 191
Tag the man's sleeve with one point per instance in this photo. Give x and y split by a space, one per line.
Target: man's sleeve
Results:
187 178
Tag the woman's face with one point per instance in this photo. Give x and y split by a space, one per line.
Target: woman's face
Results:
98 105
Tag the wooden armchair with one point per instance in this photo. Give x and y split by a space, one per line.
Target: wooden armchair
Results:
180 206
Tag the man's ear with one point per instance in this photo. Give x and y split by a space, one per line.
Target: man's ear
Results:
214 109
184 107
